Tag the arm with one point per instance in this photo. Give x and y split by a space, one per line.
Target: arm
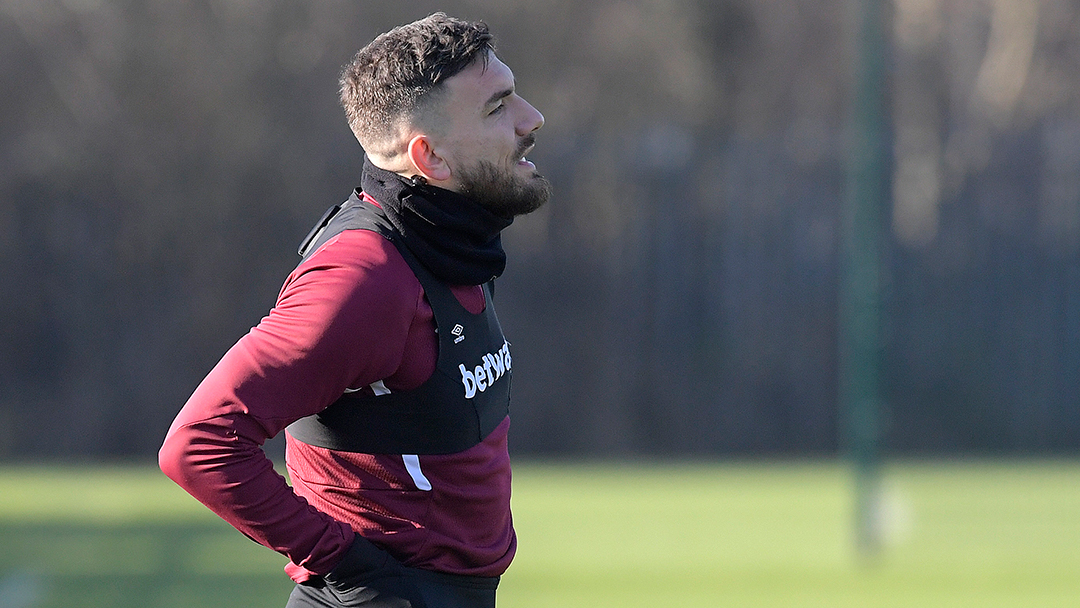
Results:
341 321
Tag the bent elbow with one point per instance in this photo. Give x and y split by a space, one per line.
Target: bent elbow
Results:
174 457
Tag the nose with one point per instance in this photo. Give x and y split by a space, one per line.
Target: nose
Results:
531 119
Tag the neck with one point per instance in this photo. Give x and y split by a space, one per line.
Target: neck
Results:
456 238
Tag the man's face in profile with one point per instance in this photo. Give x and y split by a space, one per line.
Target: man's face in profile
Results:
489 130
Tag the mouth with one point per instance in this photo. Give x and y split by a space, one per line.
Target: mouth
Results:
524 162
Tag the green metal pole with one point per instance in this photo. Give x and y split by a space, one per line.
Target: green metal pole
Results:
860 282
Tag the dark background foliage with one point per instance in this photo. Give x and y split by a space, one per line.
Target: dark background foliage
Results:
160 161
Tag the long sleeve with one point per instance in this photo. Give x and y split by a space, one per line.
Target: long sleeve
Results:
343 319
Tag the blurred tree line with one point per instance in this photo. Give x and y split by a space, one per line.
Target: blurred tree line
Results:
160 161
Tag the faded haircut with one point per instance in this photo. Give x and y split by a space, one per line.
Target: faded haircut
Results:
399 73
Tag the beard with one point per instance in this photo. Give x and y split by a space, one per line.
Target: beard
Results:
504 193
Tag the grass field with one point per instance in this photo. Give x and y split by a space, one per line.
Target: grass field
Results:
958 534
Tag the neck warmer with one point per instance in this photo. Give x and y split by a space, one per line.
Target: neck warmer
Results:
454 237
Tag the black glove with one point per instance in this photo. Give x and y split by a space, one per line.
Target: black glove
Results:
370 577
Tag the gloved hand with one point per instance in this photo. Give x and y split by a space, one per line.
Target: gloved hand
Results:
369 577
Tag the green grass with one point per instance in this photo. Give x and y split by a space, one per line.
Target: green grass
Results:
957 534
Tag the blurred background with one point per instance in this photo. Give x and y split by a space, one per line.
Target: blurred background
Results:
160 161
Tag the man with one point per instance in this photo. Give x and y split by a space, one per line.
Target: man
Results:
383 355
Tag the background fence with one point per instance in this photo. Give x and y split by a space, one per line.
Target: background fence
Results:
159 162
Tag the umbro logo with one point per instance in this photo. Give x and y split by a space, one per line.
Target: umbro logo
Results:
459 333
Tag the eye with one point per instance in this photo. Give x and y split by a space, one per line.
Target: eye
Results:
497 109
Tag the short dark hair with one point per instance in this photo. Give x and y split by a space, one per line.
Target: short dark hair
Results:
399 71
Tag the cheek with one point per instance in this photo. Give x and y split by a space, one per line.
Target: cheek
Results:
475 149
469 141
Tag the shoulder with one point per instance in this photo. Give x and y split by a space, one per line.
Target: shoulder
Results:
357 259
355 274
357 249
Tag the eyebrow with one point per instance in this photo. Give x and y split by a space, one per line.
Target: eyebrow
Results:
497 96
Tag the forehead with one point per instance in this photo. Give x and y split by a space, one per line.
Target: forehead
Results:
473 87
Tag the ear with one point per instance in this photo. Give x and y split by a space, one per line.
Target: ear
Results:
426 160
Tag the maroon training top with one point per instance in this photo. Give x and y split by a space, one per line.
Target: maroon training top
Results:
351 317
